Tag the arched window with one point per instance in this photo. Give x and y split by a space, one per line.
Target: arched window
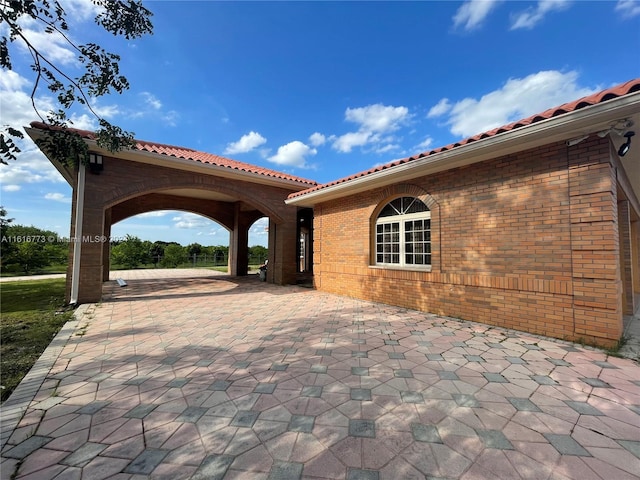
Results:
403 234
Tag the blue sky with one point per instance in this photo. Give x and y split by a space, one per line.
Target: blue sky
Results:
320 90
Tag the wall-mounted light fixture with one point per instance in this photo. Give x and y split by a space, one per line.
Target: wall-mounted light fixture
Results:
95 163
617 128
624 148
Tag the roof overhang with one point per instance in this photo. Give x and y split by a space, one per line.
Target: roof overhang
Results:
578 123
176 163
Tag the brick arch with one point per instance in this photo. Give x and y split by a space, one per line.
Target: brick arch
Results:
390 193
127 195
217 211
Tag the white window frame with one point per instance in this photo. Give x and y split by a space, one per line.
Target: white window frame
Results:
400 221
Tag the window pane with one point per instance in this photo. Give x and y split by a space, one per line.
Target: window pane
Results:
416 205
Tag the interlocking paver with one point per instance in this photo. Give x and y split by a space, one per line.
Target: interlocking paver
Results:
225 377
84 454
146 462
213 467
362 428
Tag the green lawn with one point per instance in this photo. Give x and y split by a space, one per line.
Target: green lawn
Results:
32 314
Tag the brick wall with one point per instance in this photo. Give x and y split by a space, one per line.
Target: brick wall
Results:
527 241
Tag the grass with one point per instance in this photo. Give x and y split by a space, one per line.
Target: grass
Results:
14 271
32 314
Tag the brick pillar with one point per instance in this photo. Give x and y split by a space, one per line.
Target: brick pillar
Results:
597 287
283 250
238 240
90 286
106 248
91 240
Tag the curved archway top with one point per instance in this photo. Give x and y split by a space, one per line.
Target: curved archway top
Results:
218 210
401 190
250 199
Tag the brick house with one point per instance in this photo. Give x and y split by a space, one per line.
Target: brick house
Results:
532 226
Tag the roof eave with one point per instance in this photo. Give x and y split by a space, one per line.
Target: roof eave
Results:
158 159
580 122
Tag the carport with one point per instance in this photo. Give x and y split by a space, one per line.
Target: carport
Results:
153 176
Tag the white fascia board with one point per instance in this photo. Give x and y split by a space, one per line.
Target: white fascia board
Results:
581 122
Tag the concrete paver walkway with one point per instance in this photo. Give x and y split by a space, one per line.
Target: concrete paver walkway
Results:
212 377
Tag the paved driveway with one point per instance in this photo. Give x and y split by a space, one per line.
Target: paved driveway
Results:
211 377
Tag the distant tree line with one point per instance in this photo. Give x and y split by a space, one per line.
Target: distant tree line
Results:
31 249
134 253
27 248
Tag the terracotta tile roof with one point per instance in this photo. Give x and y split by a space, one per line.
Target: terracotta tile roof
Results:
195 155
596 98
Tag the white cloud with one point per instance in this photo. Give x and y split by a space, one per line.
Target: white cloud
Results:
532 16
31 165
190 220
345 143
82 10
58 197
374 121
387 148
108 111
628 8
246 143
293 154
83 122
378 117
425 144
472 13
16 107
51 46
11 188
151 100
316 139
440 108
260 227
518 98
157 213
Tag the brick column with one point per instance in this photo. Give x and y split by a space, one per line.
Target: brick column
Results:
595 247
90 286
283 250
238 239
91 241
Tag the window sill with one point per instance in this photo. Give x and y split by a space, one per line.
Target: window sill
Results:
426 268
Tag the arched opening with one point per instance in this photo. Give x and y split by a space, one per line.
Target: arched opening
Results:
169 239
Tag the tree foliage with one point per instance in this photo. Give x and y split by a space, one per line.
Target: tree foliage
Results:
29 248
174 255
131 252
100 71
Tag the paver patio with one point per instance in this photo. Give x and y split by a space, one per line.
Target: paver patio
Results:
211 377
